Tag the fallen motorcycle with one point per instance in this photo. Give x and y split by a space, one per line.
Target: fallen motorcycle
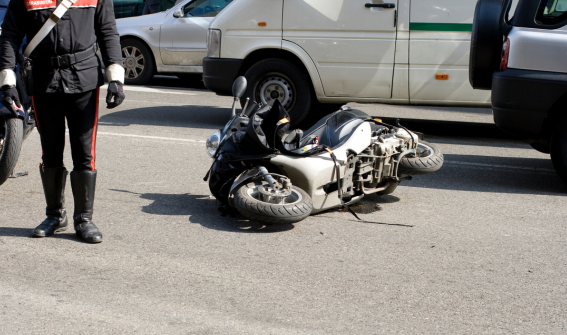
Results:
273 175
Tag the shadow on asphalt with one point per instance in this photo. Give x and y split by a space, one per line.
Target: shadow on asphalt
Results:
185 81
204 210
452 128
69 234
188 116
494 174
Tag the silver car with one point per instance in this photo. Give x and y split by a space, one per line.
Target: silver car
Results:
169 42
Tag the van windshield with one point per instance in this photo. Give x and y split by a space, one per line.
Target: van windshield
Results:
551 12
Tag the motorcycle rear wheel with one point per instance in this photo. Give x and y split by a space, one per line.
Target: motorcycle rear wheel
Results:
428 160
298 205
12 130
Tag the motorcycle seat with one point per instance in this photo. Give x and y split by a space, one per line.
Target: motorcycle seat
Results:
332 130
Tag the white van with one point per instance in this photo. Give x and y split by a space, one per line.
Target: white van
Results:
313 52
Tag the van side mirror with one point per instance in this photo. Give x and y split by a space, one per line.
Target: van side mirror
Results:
178 13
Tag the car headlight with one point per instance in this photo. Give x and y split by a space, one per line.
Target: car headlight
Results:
213 143
213 43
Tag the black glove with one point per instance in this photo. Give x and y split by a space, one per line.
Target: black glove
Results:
116 90
11 99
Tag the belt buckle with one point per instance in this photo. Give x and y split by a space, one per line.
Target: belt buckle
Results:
60 61
64 61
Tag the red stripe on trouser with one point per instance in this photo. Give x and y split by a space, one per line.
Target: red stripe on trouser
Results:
37 125
93 144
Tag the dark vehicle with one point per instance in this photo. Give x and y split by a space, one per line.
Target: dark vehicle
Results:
521 58
13 130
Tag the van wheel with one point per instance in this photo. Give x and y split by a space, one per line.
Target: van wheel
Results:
138 62
559 149
274 78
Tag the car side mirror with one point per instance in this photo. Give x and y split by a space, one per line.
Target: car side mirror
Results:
178 13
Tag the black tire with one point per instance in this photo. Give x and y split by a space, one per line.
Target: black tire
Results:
291 83
269 213
486 44
543 148
13 128
559 149
132 49
428 160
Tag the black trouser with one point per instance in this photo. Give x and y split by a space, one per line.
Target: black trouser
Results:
81 112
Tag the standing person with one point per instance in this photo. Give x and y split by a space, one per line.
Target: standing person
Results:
66 77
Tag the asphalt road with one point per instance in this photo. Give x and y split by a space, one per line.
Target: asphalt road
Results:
476 248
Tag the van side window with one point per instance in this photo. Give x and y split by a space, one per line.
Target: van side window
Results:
551 12
204 8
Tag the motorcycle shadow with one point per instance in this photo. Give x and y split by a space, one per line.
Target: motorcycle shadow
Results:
204 210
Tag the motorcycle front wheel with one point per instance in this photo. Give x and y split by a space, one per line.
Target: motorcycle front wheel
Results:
11 138
295 207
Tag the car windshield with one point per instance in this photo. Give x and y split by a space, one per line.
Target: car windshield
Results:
204 8
551 12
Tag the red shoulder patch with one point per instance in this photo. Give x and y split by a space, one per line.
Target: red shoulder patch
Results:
40 4
85 3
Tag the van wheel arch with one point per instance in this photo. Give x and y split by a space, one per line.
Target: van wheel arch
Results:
259 55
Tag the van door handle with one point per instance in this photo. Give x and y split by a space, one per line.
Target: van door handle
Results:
380 5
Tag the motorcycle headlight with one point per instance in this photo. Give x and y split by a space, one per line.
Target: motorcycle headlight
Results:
213 143
213 43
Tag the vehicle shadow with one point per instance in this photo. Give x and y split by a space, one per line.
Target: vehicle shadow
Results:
203 210
187 116
186 81
494 174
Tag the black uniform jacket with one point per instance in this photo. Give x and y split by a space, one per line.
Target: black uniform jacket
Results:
86 22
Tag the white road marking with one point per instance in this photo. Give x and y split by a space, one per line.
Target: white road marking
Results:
151 137
497 166
149 90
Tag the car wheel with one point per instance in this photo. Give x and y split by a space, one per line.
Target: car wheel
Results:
273 79
559 149
138 62
486 44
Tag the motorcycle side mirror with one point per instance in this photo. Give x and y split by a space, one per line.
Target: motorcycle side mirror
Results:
239 86
178 13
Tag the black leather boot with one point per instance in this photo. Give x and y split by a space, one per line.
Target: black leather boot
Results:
83 184
53 180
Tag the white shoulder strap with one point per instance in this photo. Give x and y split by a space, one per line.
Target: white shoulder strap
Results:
48 25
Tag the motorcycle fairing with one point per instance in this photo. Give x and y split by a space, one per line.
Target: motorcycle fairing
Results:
312 173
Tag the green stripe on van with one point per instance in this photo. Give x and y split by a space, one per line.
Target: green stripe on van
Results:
467 27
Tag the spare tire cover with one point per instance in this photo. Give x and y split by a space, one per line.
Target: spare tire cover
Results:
486 43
